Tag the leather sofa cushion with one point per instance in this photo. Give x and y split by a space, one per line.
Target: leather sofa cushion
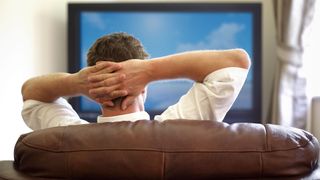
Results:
175 149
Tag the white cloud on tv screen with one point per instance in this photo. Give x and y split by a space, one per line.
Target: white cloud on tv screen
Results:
223 37
96 20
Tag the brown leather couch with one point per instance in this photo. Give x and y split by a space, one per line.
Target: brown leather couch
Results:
175 149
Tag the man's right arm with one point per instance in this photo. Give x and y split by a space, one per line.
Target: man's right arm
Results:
195 65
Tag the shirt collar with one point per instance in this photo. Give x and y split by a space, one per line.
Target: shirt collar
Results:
141 115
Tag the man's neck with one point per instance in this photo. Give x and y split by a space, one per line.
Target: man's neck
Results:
116 110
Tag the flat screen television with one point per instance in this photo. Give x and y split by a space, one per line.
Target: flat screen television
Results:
167 28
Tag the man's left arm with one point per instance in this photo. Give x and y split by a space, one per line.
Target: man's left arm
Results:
43 106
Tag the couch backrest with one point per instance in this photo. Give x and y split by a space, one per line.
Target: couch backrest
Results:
175 149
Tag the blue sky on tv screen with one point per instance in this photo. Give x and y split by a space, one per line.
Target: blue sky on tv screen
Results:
164 33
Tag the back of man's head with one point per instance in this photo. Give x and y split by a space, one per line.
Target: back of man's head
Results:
116 47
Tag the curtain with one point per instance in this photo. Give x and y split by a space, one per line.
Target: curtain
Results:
289 100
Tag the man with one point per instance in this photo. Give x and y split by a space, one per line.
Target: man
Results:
218 76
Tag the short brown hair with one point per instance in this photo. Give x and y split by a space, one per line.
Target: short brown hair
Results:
116 47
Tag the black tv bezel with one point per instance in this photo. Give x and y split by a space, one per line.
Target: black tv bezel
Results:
74 9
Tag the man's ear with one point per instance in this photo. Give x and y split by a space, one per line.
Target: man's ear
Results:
144 94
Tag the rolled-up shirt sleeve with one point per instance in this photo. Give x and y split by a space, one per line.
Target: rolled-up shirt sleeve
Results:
40 115
211 99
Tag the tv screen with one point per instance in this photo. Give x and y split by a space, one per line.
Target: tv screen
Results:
168 28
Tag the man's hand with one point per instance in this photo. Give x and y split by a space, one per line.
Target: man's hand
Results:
134 73
110 93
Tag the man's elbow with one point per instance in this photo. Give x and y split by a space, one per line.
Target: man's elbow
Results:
243 59
25 90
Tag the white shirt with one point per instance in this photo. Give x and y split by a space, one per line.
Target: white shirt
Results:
209 100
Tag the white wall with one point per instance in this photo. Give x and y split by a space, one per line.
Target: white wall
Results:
33 41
